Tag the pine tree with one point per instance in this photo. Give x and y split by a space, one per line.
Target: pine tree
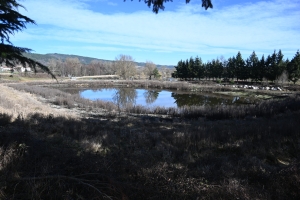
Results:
185 69
178 72
192 68
231 68
219 69
261 68
212 69
275 65
269 65
293 68
280 66
200 68
11 21
208 70
253 66
216 69
240 67
156 73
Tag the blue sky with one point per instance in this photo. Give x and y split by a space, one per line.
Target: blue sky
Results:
106 28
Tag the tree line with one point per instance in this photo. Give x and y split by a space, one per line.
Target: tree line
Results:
124 66
270 68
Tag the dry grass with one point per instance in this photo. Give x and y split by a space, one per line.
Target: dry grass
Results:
21 104
133 158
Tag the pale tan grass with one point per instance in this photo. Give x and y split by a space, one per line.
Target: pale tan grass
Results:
16 103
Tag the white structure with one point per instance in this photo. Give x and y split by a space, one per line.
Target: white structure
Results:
5 69
18 68
27 69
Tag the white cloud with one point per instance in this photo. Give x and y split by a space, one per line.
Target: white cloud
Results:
262 26
112 3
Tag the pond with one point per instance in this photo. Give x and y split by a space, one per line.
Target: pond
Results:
163 98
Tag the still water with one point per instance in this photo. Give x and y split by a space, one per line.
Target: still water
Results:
165 98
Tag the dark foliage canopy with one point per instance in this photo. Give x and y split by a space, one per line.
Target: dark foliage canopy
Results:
272 68
159 4
11 21
293 68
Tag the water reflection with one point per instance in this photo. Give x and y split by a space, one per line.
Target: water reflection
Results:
197 100
125 97
151 96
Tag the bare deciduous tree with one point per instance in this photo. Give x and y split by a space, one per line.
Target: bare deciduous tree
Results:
56 66
140 72
166 72
124 66
282 78
98 67
149 69
73 67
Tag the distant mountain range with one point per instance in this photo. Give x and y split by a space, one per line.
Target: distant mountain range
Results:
44 58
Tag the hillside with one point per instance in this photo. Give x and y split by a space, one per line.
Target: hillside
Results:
44 58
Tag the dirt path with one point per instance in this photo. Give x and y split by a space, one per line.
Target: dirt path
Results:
17 103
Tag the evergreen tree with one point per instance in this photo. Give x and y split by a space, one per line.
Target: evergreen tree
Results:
240 67
192 68
293 68
11 21
213 69
216 69
174 74
275 65
269 65
200 68
253 66
156 73
208 70
261 68
220 69
178 73
185 70
231 68
280 66
248 68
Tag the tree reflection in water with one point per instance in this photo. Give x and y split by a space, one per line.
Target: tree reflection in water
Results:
128 97
196 100
151 96
125 97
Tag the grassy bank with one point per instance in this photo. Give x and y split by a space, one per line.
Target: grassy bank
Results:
188 153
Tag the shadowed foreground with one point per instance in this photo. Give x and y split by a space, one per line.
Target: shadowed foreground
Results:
49 157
